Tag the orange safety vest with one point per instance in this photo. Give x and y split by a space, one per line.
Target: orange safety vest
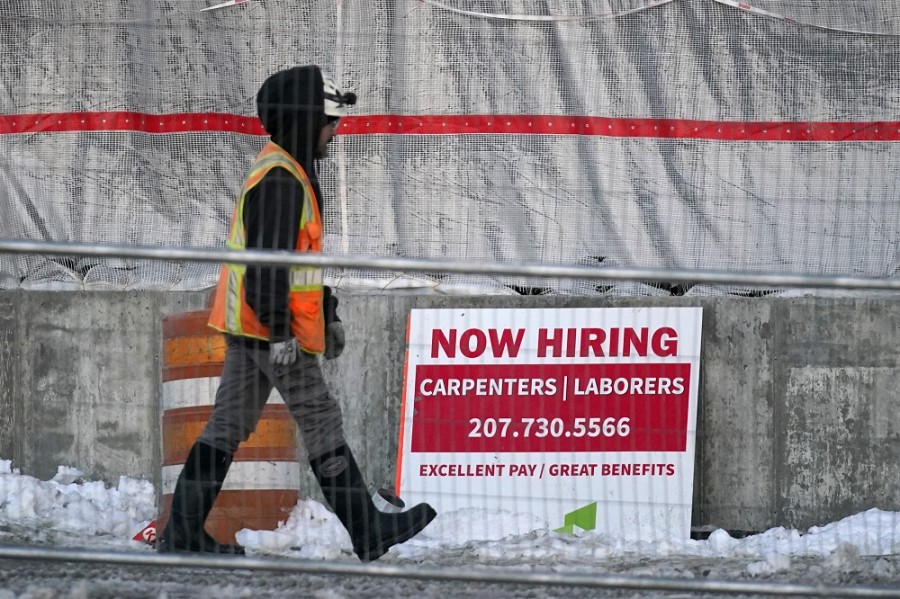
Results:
230 312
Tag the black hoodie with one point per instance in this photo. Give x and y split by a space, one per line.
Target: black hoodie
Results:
290 106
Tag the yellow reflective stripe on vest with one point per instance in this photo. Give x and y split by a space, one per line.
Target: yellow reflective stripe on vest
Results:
233 298
277 160
307 210
305 279
237 238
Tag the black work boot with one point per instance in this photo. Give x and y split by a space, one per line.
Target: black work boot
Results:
373 532
195 492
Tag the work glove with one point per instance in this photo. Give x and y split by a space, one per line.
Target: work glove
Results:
284 353
334 340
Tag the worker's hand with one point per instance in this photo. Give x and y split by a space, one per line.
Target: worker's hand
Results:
284 353
334 340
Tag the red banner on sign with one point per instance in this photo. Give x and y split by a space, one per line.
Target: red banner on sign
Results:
497 408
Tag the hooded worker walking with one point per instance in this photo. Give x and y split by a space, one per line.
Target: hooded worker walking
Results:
277 321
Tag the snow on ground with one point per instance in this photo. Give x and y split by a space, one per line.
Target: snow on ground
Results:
69 511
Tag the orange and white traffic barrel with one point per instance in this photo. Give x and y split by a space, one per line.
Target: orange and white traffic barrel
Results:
263 483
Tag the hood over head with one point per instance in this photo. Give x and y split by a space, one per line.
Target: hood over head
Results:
290 105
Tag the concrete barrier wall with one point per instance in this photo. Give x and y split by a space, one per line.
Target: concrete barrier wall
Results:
797 417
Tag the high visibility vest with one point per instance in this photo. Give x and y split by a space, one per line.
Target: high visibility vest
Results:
230 312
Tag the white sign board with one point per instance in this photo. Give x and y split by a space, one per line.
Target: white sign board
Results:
584 417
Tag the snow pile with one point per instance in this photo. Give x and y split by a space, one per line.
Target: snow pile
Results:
70 510
66 503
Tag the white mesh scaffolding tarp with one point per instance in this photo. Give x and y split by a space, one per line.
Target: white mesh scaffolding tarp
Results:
688 133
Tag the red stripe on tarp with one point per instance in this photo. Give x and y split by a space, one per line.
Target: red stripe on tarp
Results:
620 127
387 124
68 122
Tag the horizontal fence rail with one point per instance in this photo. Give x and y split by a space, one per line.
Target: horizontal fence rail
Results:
541 270
419 572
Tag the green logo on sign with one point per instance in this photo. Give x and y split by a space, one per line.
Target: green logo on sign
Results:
584 518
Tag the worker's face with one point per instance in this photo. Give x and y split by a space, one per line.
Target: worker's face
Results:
325 136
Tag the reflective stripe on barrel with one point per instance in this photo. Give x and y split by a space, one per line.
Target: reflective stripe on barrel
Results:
262 486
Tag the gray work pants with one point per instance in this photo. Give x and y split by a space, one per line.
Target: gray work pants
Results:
248 379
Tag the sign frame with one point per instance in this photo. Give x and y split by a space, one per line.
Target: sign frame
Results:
597 408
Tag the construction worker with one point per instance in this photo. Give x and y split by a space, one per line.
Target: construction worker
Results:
277 321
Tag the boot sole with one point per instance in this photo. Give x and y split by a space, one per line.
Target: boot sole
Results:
168 547
190 550
373 553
